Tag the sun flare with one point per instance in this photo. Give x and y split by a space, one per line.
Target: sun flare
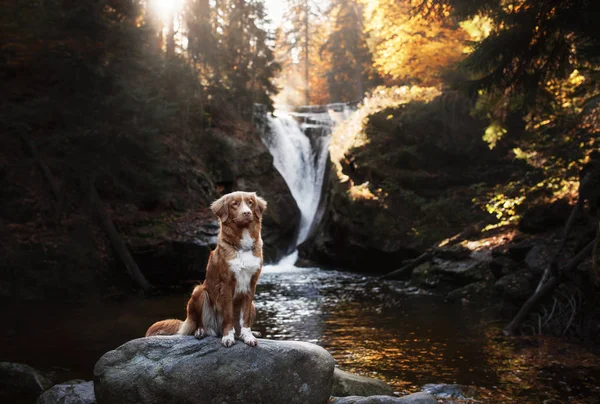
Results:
165 8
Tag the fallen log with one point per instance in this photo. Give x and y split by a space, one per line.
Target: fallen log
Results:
117 241
407 269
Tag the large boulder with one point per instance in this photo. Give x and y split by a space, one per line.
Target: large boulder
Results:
349 384
179 369
69 393
416 398
20 382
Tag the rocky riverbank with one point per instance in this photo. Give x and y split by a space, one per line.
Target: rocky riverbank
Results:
182 369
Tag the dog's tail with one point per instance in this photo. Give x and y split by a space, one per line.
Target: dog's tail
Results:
191 323
165 327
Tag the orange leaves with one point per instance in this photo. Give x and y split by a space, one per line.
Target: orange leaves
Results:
411 48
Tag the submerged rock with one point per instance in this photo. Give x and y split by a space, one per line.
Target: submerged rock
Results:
416 398
19 381
69 393
178 369
445 391
348 384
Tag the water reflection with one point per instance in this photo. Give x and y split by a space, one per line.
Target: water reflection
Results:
406 340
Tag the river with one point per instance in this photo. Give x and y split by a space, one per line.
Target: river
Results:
398 334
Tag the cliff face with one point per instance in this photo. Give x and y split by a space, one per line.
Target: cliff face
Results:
54 252
411 183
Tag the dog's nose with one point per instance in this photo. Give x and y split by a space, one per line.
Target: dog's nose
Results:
247 213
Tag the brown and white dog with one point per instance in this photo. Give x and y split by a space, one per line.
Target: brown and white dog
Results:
223 304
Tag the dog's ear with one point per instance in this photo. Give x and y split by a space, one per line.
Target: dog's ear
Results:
260 207
220 208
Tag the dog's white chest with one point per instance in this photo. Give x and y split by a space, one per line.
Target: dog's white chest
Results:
245 264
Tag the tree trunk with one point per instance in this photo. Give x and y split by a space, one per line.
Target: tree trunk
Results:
545 290
58 196
596 256
306 64
407 269
117 241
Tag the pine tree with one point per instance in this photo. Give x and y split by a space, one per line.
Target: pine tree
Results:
352 73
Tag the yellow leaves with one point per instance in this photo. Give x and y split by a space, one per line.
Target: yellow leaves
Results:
576 79
478 28
406 48
493 134
361 191
523 155
504 208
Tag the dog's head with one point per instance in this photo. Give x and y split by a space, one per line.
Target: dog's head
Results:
241 208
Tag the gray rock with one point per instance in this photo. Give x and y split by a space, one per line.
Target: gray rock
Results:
463 272
69 393
416 398
446 391
349 384
178 369
545 217
538 258
453 253
21 381
502 266
450 273
426 275
516 286
474 291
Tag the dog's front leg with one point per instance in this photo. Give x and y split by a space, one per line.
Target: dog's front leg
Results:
228 329
247 314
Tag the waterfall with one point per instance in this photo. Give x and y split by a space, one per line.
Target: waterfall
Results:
298 139
300 151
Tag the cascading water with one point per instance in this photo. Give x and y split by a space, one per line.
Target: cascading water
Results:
299 144
301 163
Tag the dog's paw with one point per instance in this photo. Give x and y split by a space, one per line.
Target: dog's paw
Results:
200 333
228 340
248 337
251 341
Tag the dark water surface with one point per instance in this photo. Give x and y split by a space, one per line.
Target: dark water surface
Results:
374 329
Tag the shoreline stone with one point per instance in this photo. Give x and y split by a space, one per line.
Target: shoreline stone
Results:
178 369
349 384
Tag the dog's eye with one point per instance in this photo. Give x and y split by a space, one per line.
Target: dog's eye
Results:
250 203
235 204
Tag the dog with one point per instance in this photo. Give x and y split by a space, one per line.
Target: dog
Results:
223 304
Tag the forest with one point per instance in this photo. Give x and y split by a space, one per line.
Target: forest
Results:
431 170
